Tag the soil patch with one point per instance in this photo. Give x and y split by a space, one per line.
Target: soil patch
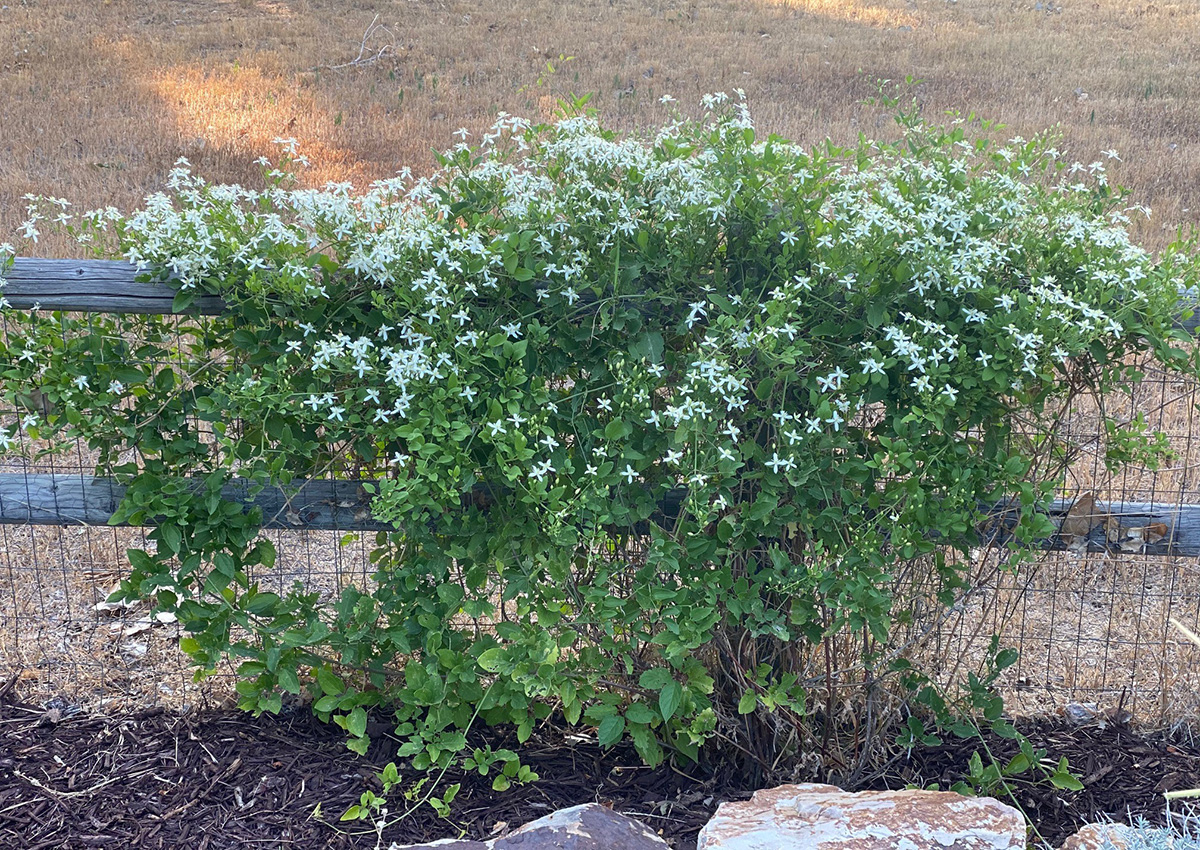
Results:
222 779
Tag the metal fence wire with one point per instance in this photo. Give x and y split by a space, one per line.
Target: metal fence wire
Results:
1093 629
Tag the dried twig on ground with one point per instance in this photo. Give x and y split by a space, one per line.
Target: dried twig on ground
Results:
363 58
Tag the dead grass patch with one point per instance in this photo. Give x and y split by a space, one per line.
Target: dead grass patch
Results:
101 98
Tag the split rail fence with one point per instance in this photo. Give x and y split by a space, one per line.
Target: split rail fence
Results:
1093 626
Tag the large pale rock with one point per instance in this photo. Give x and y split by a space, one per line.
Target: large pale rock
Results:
1098 836
823 817
1113 836
587 827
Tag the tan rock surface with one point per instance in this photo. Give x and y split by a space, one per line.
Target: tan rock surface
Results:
1105 836
823 817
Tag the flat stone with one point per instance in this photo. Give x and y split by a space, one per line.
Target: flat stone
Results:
824 817
587 827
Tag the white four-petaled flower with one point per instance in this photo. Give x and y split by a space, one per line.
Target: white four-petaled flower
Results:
777 463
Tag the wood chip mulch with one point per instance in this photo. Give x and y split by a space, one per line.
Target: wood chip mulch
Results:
1124 772
211 780
223 779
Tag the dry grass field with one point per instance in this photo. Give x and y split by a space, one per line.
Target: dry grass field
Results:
101 97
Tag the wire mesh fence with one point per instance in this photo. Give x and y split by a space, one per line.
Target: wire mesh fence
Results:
1093 628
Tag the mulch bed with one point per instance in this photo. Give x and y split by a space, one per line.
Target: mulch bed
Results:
1124 772
222 779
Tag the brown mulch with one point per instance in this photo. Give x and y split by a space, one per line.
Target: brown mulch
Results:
1124 772
222 779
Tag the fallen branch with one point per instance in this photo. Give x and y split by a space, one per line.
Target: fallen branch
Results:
362 58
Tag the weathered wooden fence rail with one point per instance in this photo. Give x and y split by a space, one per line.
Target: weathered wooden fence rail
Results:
93 286
66 499
333 505
112 287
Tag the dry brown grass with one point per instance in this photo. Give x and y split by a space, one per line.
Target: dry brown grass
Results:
101 97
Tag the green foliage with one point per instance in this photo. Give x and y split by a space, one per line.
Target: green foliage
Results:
659 426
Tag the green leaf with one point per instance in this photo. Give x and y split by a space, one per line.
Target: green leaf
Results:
1065 782
1005 730
356 722
648 346
748 702
171 538
572 711
1062 778
140 560
266 553
669 698
655 678
224 565
524 730
610 730
492 659
288 680
261 603
330 683
617 429
390 776
646 744
1006 658
639 712
1017 764
876 312
182 300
